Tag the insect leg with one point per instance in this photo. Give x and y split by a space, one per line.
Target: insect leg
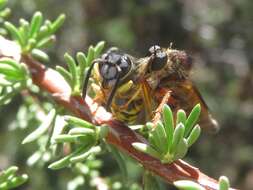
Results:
158 110
86 81
115 86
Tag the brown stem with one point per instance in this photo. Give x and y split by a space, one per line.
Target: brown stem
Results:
119 134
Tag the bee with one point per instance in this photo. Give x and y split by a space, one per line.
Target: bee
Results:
135 90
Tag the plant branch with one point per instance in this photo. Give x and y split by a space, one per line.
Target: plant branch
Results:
119 134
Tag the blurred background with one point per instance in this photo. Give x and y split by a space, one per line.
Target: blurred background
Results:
217 33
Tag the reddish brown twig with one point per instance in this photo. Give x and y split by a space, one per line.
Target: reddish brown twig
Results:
119 135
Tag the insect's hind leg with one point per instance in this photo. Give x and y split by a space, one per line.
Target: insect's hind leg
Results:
166 94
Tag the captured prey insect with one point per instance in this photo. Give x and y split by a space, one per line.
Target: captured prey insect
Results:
135 90
114 86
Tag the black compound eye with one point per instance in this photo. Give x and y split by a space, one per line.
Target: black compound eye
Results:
159 61
158 58
125 65
114 65
113 58
108 71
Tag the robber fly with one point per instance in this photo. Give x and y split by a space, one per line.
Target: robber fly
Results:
135 90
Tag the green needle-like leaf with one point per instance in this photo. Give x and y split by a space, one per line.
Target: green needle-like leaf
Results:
40 55
181 150
78 122
90 56
46 42
66 75
224 183
35 24
188 185
85 139
42 128
66 138
181 116
64 162
43 32
194 135
192 119
72 68
120 160
177 137
10 72
146 149
57 23
98 49
10 62
81 131
81 59
24 29
48 23
152 140
160 138
30 45
85 154
152 136
168 123
14 33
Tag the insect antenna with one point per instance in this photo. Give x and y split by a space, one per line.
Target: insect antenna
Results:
115 86
86 81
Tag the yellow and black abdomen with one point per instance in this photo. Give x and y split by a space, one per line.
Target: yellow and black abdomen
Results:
127 104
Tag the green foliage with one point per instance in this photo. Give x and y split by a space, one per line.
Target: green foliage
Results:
34 35
4 13
224 183
40 118
76 69
169 143
84 173
49 119
10 180
84 136
120 160
51 138
190 185
13 78
150 182
55 135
